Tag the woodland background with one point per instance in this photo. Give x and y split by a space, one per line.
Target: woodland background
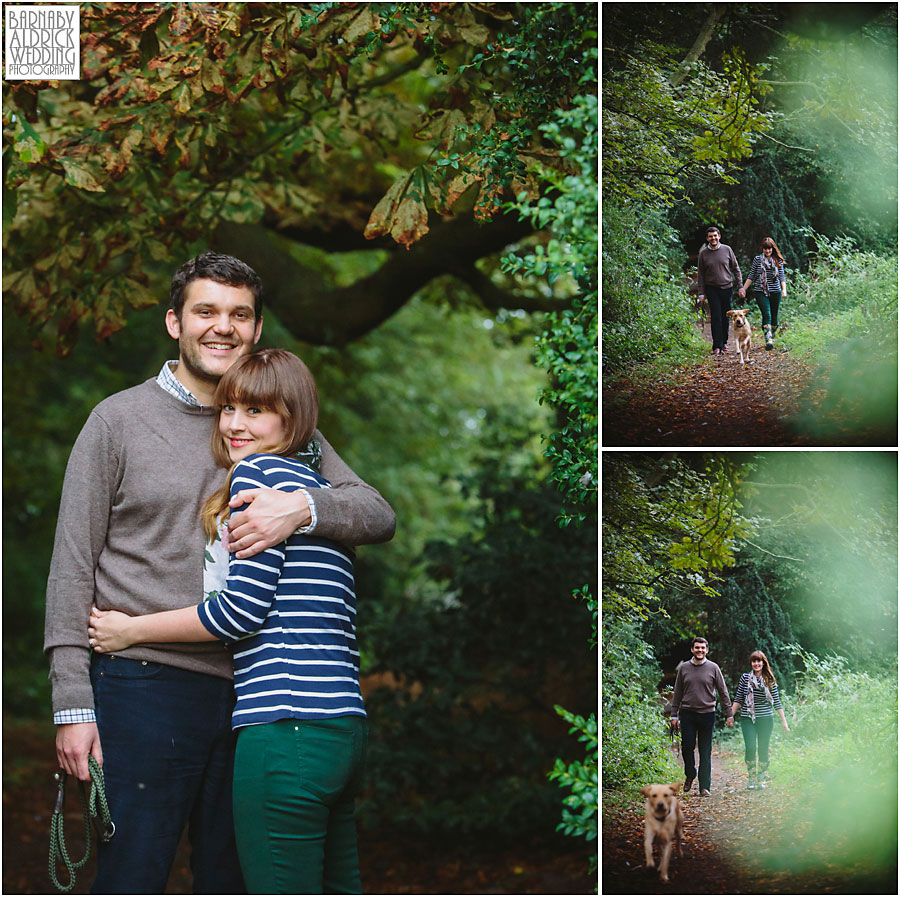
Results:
790 553
416 183
765 119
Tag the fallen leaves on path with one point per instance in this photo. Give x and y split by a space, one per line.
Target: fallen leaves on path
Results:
727 835
719 402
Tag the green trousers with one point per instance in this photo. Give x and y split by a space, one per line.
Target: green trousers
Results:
768 307
295 784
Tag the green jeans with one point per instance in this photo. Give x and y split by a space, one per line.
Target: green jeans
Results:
768 307
295 784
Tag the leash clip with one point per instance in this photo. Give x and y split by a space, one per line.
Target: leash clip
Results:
104 831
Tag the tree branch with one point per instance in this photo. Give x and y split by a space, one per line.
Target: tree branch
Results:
787 145
784 557
317 312
703 38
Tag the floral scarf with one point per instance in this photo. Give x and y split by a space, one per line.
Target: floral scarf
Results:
768 267
757 683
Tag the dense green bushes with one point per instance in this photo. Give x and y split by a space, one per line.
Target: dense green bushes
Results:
634 749
842 278
464 744
843 313
647 311
841 756
854 707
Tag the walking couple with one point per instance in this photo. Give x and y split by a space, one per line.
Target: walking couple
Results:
718 271
265 783
693 708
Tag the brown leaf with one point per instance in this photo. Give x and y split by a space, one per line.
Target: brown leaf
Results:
403 216
475 34
410 222
365 21
211 77
131 141
80 176
382 214
182 96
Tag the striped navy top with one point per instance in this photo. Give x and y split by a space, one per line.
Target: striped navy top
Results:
291 613
755 275
761 706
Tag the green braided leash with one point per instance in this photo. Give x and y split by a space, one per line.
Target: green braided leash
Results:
102 820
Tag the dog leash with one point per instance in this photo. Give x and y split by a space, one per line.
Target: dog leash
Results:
100 819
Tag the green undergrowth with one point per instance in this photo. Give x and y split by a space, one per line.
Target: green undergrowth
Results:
847 294
845 324
648 321
839 765
634 745
820 337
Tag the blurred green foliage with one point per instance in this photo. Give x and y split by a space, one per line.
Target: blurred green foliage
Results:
827 537
841 755
468 736
634 746
647 317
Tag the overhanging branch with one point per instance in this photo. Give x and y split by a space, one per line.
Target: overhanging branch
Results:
317 312
703 38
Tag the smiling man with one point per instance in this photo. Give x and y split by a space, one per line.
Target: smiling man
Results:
129 536
694 712
215 324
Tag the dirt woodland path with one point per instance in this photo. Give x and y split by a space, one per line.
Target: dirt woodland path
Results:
390 863
716 403
722 836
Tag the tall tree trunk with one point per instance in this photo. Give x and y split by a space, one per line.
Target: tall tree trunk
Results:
703 38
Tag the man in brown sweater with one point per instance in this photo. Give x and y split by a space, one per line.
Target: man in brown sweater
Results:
694 711
157 717
717 273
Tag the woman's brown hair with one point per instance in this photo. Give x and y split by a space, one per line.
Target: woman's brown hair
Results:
272 380
766 669
776 252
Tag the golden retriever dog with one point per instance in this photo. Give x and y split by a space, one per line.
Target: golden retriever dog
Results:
663 819
741 331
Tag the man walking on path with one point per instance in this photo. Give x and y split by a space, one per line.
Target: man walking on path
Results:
717 273
694 711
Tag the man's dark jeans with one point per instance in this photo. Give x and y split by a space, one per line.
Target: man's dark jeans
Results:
719 299
697 727
168 754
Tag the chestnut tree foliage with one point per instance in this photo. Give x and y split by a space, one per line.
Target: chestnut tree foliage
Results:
251 127
426 140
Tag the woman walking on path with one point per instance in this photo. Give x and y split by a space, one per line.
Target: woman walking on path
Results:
757 693
717 274
290 613
769 286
